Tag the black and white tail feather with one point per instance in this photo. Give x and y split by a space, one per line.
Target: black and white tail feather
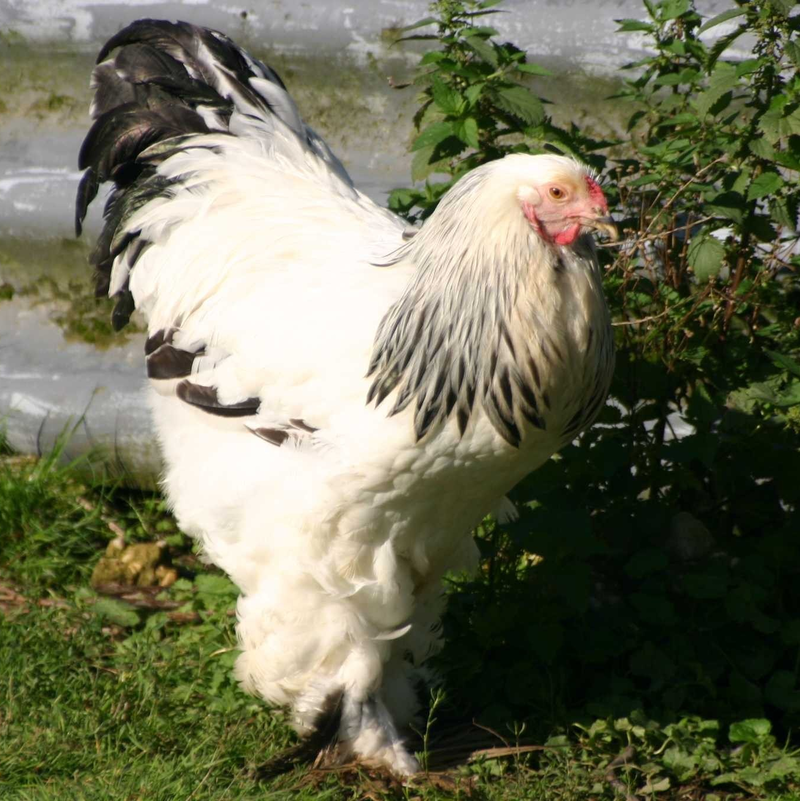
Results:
167 83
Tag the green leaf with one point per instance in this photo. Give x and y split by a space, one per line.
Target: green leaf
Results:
533 69
434 134
792 49
768 183
762 148
782 7
420 24
723 43
521 103
672 9
445 97
472 93
626 25
422 166
784 362
752 730
784 212
777 125
730 205
720 18
467 132
483 49
705 256
210 584
432 56
722 80
116 612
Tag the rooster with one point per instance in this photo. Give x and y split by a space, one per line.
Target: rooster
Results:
339 399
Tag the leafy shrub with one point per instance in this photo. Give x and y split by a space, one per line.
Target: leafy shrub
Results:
667 539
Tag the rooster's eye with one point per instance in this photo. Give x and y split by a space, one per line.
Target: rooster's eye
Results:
557 193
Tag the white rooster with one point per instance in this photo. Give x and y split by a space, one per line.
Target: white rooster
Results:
339 401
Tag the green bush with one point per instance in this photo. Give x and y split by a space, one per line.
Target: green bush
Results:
651 567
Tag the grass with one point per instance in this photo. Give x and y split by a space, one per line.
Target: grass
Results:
132 696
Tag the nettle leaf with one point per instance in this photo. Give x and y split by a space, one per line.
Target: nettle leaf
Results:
705 255
533 69
768 183
783 7
776 125
784 212
445 97
723 43
762 148
720 18
730 205
425 162
467 132
420 24
722 80
432 135
432 57
792 49
473 93
521 103
759 226
784 362
633 25
483 49
671 9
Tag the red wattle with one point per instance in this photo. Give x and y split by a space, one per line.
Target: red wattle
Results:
568 235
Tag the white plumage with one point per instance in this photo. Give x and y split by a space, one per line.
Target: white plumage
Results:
338 404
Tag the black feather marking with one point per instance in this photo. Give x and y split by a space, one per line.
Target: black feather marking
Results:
425 418
505 387
503 424
155 341
506 335
450 401
528 395
123 309
435 396
589 338
168 362
462 416
302 425
534 372
275 436
402 400
470 396
533 418
205 398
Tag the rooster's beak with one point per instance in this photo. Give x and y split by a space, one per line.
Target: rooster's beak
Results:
605 225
